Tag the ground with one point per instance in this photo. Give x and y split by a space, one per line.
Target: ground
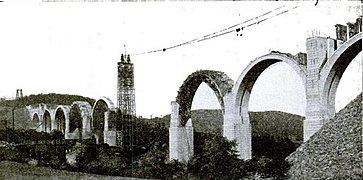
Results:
13 170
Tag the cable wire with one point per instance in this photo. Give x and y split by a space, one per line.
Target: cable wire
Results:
224 31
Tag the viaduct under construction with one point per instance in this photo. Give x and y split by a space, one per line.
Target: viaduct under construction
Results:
321 69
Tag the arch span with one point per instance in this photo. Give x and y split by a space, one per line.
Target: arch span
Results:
181 143
241 130
249 75
333 70
218 81
47 121
61 118
79 120
36 120
101 123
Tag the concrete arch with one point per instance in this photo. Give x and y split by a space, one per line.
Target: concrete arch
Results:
333 70
36 120
248 77
100 119
47 121
61 118
181 140
218 81
239 128
79 121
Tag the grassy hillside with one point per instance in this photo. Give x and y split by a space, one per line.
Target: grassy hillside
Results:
274 123
335 151
21 115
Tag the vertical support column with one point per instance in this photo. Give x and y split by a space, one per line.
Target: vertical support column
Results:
190 138
244 139
109 136
173 131
318 50
234 128
181 145
54 124
66 129
86 124
229 120
106 115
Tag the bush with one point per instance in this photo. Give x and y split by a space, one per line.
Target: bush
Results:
217 159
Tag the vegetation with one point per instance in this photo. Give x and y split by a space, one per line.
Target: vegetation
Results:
51 98
145 147
21 115
277 124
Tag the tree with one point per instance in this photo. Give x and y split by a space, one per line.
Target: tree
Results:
217 160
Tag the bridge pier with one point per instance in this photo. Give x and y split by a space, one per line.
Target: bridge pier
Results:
109 133
319 49
181 142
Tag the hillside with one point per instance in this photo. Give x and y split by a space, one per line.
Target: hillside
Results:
51 98
335 151
275 123
21 115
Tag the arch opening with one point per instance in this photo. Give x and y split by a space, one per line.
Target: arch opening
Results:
277 106
35 120
219 82
75 119
207 113
249 76
47 121
333 70
60 120
99 112
350 84
242 92
181 136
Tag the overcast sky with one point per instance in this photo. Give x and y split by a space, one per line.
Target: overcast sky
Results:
73 48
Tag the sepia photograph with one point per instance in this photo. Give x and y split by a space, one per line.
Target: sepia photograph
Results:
181 89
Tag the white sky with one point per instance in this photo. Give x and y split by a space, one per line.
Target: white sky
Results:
73 48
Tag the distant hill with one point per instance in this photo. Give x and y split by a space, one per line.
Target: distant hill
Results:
21 116
51 98
335 151
274 123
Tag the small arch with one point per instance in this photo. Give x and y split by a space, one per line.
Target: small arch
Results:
61 117
47 121
100 118
75 119
36 120
80 120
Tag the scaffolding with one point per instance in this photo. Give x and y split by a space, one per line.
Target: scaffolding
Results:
125 101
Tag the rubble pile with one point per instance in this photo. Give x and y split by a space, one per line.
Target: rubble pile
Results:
335 151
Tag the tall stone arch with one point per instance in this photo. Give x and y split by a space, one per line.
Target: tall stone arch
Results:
181 131
79 125
240 128
326 65
333 70
103 124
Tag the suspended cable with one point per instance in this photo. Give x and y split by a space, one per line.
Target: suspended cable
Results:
225 30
